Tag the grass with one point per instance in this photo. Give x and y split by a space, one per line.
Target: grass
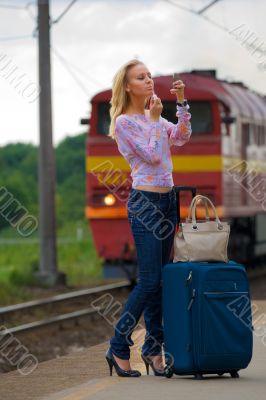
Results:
76 257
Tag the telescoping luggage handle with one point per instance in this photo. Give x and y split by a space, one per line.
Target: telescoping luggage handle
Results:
179 189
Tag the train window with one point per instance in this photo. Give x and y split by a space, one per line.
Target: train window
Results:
246 133
261 136
202 121
201 115
103 118
253 135
226 119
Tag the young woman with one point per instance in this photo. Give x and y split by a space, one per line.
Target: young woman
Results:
144 138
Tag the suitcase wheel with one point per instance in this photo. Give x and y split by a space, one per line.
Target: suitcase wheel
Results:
168 372
198 376
234 374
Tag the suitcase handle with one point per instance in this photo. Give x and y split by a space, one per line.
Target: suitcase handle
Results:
179 189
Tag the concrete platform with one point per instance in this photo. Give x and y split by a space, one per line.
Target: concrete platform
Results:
85 375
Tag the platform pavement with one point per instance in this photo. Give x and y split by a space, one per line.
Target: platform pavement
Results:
85 375
250 386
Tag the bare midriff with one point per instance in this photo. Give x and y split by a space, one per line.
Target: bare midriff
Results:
154 188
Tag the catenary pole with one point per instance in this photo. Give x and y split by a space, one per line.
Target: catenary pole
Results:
47 273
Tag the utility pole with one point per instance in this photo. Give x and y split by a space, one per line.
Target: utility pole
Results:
47 274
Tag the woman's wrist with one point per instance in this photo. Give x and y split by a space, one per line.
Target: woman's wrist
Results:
182 103
182 111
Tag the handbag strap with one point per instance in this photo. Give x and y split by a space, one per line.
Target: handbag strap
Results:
198 197
194 221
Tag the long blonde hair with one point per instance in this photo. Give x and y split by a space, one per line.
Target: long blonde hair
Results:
120 98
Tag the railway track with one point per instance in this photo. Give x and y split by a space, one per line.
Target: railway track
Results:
76 326
85 294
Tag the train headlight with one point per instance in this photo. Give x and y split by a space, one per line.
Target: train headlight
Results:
109 199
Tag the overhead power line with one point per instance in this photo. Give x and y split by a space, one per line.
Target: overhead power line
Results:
74 77
26 8
10 6
16 7
200 13
55 21
90 78
206 7
3 39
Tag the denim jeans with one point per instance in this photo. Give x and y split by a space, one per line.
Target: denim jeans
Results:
152 217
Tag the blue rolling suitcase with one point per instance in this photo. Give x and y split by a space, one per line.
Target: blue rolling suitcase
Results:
207 317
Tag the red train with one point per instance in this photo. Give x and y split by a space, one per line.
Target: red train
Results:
225 159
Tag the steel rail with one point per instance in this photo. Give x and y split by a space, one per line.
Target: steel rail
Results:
62 297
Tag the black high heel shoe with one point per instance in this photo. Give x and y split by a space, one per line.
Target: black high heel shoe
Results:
130 373
148 362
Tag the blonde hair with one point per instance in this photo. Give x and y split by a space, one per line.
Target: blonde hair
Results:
120 98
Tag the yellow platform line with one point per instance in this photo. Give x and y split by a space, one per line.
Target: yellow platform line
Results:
88 390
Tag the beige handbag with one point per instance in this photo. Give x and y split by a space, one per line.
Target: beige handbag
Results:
201 241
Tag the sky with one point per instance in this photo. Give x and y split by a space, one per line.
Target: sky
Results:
95 37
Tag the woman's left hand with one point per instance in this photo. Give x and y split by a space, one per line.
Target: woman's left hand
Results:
178 90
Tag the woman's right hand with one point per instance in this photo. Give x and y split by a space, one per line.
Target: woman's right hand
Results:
156 108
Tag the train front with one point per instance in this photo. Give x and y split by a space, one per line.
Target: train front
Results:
217 138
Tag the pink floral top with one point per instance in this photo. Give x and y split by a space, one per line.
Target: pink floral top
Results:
146 145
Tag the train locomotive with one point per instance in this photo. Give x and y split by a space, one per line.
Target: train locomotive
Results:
225 160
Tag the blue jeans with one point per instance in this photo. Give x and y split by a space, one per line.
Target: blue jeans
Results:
152 216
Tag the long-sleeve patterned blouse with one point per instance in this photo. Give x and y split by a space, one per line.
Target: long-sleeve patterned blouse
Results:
146 145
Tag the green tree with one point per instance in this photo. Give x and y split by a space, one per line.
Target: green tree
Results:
19 175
